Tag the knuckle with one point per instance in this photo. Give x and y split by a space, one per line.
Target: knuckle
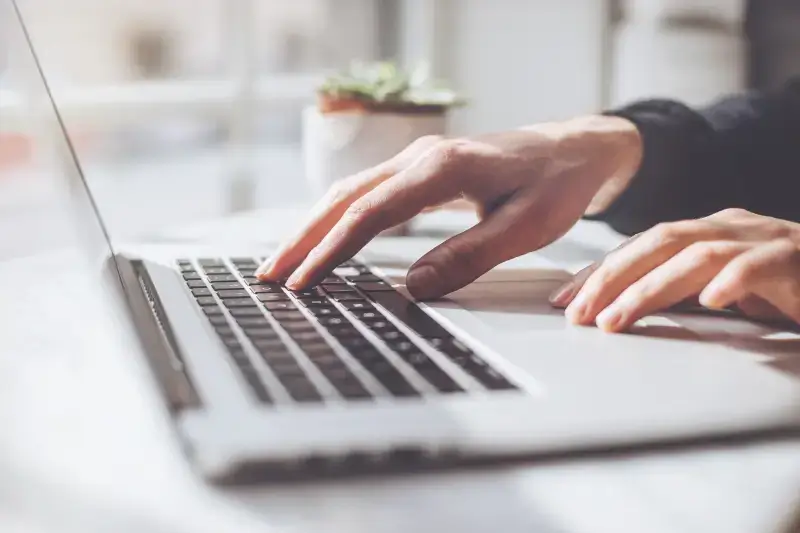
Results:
363 213
601 277
787 247
675 232
448 154
733 212
337 191
743 273
703 253
426 141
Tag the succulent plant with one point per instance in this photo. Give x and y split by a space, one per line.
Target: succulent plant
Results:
384 85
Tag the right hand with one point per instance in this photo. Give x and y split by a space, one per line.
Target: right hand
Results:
529 187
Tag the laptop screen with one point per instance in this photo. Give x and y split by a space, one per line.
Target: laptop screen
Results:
55 211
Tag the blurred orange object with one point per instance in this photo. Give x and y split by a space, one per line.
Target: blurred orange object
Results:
15 149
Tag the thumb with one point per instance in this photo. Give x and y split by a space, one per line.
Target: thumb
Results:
465 257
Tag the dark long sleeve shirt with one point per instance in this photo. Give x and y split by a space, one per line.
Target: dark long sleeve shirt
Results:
742 151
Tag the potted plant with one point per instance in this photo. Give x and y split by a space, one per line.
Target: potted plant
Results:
368 113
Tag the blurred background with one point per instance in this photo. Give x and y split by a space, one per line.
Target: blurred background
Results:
185 110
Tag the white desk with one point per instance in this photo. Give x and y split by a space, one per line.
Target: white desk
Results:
86 448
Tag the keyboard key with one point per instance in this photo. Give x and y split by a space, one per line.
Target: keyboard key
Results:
473 364
347 297
206 300
356 305
367 356
268 346
315 301
201 292
331 289
272 297
231 343
313 292
224 331
381 325
255 281
242 260
333 280
287 369
221 277
262 289
324 311
256 386
195 284
225 285
279 306
277 355
354 343
375 286
240 358
216 270
218 320
191 275
247 312
247 272
344 331
299 326
261 333
288 316
208 262
362 278
393 380
408 313
253 322
301 389
334 321
391 335
212 311
305 336
239 302
369 317
228 294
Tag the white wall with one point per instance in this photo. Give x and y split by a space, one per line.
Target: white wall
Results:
523 61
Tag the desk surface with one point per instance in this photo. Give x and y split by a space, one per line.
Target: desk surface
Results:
86 447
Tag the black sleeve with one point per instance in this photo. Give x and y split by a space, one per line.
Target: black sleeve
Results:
743 151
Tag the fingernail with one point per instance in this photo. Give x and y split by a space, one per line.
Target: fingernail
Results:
576 310
422 280
561 296
609 319
293 282
264 269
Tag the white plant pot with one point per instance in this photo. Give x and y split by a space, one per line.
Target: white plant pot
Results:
339 144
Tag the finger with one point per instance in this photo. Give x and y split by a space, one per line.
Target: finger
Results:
756 307
628 264
674 281
396 200
770 271
562 296
332 207
465 257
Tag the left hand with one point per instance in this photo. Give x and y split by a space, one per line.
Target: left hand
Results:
732 258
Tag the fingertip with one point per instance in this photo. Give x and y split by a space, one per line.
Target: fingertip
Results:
562 296
423 282
610 320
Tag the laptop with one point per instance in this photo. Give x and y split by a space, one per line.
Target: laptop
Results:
353 375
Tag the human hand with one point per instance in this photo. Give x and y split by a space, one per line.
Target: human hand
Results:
529 187
733 257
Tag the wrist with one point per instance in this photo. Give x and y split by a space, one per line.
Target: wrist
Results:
619 139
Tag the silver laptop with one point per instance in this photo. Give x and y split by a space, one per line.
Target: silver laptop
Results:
354 376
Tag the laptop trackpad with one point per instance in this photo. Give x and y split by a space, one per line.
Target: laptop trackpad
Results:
507 300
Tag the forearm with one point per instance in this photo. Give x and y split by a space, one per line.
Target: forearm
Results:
740 152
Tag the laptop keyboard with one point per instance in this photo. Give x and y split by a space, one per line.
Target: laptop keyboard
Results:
313 342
